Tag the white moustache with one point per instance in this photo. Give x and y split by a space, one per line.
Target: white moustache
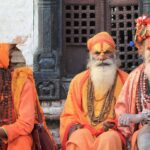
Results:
104 63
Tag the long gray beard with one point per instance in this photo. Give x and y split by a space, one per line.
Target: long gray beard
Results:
103 76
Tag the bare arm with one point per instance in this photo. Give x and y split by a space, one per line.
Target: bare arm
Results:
127 119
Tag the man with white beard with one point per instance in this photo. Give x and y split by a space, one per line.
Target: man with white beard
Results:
133 104
88 119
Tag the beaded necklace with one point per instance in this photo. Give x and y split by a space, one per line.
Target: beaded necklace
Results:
143 92
144 87
6 102
106 107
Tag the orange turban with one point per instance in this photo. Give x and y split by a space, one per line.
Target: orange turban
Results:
4 55
102 38
142 31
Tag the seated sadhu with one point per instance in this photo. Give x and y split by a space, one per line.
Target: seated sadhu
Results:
133 105
88 119
18 101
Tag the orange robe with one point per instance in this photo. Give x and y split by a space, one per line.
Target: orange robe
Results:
126 102
75 113
24 96
82 139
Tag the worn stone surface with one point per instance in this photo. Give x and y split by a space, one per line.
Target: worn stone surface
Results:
52 110
52 107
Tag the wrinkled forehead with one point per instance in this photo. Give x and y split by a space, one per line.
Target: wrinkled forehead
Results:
102 47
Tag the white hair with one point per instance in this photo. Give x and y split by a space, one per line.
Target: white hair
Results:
102 73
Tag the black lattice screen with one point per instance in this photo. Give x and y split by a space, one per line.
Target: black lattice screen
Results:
81 20
122 30
79 23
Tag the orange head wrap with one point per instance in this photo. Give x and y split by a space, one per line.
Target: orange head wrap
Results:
142 31
4 55
104 39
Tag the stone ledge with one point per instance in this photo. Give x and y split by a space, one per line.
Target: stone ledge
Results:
49 117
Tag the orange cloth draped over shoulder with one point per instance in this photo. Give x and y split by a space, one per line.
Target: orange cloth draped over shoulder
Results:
24 96
74 112
25 103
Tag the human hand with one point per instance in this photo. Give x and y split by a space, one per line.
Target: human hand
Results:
73 128
125 120
108 125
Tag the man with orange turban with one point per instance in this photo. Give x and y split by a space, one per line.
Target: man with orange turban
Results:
133 104
88 119
18 103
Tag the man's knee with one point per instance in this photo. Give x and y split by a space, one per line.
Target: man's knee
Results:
80 136
22 143
80 139
110 136
80 133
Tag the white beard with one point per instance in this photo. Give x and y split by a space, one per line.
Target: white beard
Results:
102 76
147 63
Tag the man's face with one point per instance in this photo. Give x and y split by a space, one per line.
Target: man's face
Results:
102 54
102 65
146 51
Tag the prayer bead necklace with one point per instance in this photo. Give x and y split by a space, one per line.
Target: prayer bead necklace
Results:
6 102
144 86
106 106
143 92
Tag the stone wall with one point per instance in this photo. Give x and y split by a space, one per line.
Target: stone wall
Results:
52 110
19 19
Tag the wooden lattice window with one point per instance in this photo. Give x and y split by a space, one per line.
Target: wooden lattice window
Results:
81 20
79 23
123 30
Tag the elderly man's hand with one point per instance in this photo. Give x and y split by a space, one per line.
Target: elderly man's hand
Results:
74 128
127 119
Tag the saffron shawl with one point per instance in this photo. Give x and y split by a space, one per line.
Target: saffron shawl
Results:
20 76
73 111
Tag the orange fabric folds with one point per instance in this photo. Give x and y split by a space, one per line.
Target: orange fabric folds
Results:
4 55
73 112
